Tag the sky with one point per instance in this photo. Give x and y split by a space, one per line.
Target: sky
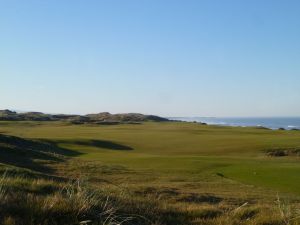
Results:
164 57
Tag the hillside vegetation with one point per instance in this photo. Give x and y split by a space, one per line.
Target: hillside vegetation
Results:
105 117
56 172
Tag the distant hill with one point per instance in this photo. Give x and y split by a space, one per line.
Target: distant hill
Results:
126 117
102 118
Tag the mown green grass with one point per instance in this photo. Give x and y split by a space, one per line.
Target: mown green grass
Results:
175 161
183 148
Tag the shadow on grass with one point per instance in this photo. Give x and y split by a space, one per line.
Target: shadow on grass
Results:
205 198
38 155
29 154
98 143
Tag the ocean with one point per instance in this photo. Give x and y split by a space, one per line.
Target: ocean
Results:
269 122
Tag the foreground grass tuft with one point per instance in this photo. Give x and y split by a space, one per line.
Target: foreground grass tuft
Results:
75 203
71 203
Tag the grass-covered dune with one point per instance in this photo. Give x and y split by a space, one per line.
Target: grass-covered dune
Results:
98 118
148 173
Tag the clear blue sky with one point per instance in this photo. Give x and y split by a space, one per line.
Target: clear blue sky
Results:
165 57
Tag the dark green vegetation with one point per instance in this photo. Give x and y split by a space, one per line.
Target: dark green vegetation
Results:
148 173
100 118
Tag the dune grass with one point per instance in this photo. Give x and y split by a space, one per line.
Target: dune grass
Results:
185 172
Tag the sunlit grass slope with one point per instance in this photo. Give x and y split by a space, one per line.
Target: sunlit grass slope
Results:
178 149
207 171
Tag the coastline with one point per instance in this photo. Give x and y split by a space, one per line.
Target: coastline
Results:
274 123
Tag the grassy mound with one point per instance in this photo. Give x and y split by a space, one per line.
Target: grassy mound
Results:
279 152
